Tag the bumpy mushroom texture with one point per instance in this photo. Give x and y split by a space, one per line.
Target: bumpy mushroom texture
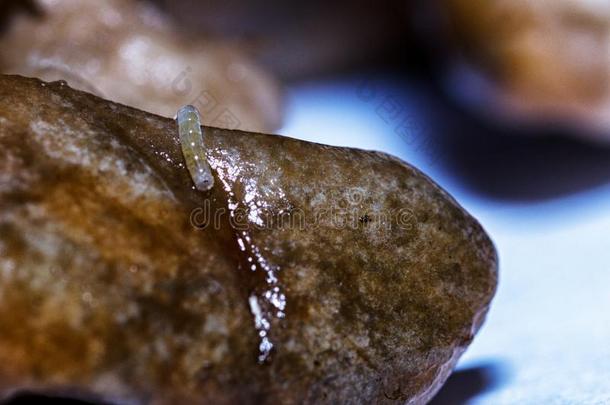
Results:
126 51
308 274
546 58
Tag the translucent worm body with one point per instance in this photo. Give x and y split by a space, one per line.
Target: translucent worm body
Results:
191 139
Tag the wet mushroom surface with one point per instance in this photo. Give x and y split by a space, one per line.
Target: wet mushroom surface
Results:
307 274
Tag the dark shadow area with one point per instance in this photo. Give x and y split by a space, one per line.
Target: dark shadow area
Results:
10 8
505 160
463 385
24 398
518 164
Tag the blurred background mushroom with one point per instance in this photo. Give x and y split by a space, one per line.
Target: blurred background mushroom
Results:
129 52
535 60
529 60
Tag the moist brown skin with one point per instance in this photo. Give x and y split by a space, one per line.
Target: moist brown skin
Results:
108 291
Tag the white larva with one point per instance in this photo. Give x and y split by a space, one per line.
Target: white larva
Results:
191 140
